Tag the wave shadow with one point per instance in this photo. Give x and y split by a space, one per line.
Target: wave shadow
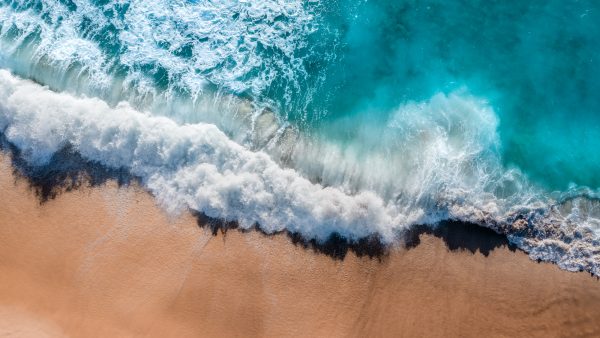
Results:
66 170
460 236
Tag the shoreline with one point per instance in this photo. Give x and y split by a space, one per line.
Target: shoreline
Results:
106 260
68 171
251 188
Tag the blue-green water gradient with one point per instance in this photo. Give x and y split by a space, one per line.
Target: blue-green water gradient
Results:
536 62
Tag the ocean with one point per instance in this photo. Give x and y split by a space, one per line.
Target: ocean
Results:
358 119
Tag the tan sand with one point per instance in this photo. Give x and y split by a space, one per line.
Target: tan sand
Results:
107 262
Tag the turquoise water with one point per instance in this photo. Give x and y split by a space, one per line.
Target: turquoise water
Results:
535 62
361 118
538 64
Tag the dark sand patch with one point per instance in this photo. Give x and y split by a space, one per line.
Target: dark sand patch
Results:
106 261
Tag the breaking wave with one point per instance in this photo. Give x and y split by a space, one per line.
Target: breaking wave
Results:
197 166
270 113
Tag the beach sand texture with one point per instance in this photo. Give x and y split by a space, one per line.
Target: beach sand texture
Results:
108 262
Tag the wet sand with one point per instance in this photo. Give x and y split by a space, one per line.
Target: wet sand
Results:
106 261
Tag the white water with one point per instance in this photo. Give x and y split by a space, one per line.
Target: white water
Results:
190 166
194 43
198 167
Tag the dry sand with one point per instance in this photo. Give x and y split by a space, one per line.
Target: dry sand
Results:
107 262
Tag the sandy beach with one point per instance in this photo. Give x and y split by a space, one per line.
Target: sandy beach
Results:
107 261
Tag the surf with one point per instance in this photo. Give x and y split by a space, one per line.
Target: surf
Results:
196 166
292 125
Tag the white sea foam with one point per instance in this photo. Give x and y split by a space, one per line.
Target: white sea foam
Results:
192 42
196 166
160 56
456 172
186 166
456 156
